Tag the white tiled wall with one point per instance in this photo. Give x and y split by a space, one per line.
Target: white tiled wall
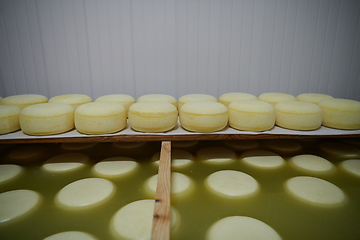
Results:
176 47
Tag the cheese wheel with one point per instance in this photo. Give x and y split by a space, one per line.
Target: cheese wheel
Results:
195 98
251 115
241 227
262 159
283 146
9 118
242 145
158 98
312 97
204 116
340 113
17 203
228 98
232 184
311 163
26 154
65 162
179 158
275 97
24 100
134 220
338 150
181 185
184 144
351 166
216 155
71 235
75 100
115 167
315 191
9 171
297 115
125 100
152 116
100 118
47 119
85 193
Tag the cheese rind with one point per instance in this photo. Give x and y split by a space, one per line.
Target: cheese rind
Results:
158 98
24 100
312 97
115 167
228 98
125 100
195 98
75 100
276 97
9 118
65 162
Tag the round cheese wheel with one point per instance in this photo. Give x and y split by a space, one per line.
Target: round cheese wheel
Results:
179 158
158 98
242 145
241 227
297 115
71 235
351 166
75 100
134 220
312 97
85 193
184 144
9 171
24 100
125 100
283 146
311 163
9 118
17 203
195 98
115 167
232 184
26 154
340 113
315 191
65 162
339 150
228 98
216 155
100 118
275 97
251 115
203 116
152 116
47 119
262 159
181 185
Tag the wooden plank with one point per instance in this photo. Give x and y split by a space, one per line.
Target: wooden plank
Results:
161 218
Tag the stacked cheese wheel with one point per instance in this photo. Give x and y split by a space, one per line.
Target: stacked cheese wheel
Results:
152 113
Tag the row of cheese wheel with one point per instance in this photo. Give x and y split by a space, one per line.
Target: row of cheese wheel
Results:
159 113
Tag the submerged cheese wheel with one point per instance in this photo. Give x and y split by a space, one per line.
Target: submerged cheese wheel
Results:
9 171
195 98
315 191
65 162
158 98
340 113
71 235
283 146
16 203
115 166
134 220
75 100
26 154
275 97
216 155
24 100
297 115
311 163
251 115
100 118
125 100
228 98
232 184
203 116
339 150
47 119
262 159
152 116
241 227
312 97
179 158
242 145
85 193
9 118
77 146
181 185
351 166
184 144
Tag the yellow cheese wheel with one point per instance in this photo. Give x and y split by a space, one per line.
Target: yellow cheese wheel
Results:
276 97
9 118
24 100
228 98
123 99
158 98
195 98
75 100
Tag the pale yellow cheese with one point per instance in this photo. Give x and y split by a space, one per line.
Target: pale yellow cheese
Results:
9 118
228 98
194 97
125 100
158 98
24 100
75 100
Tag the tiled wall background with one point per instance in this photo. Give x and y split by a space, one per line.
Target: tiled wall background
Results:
177 47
